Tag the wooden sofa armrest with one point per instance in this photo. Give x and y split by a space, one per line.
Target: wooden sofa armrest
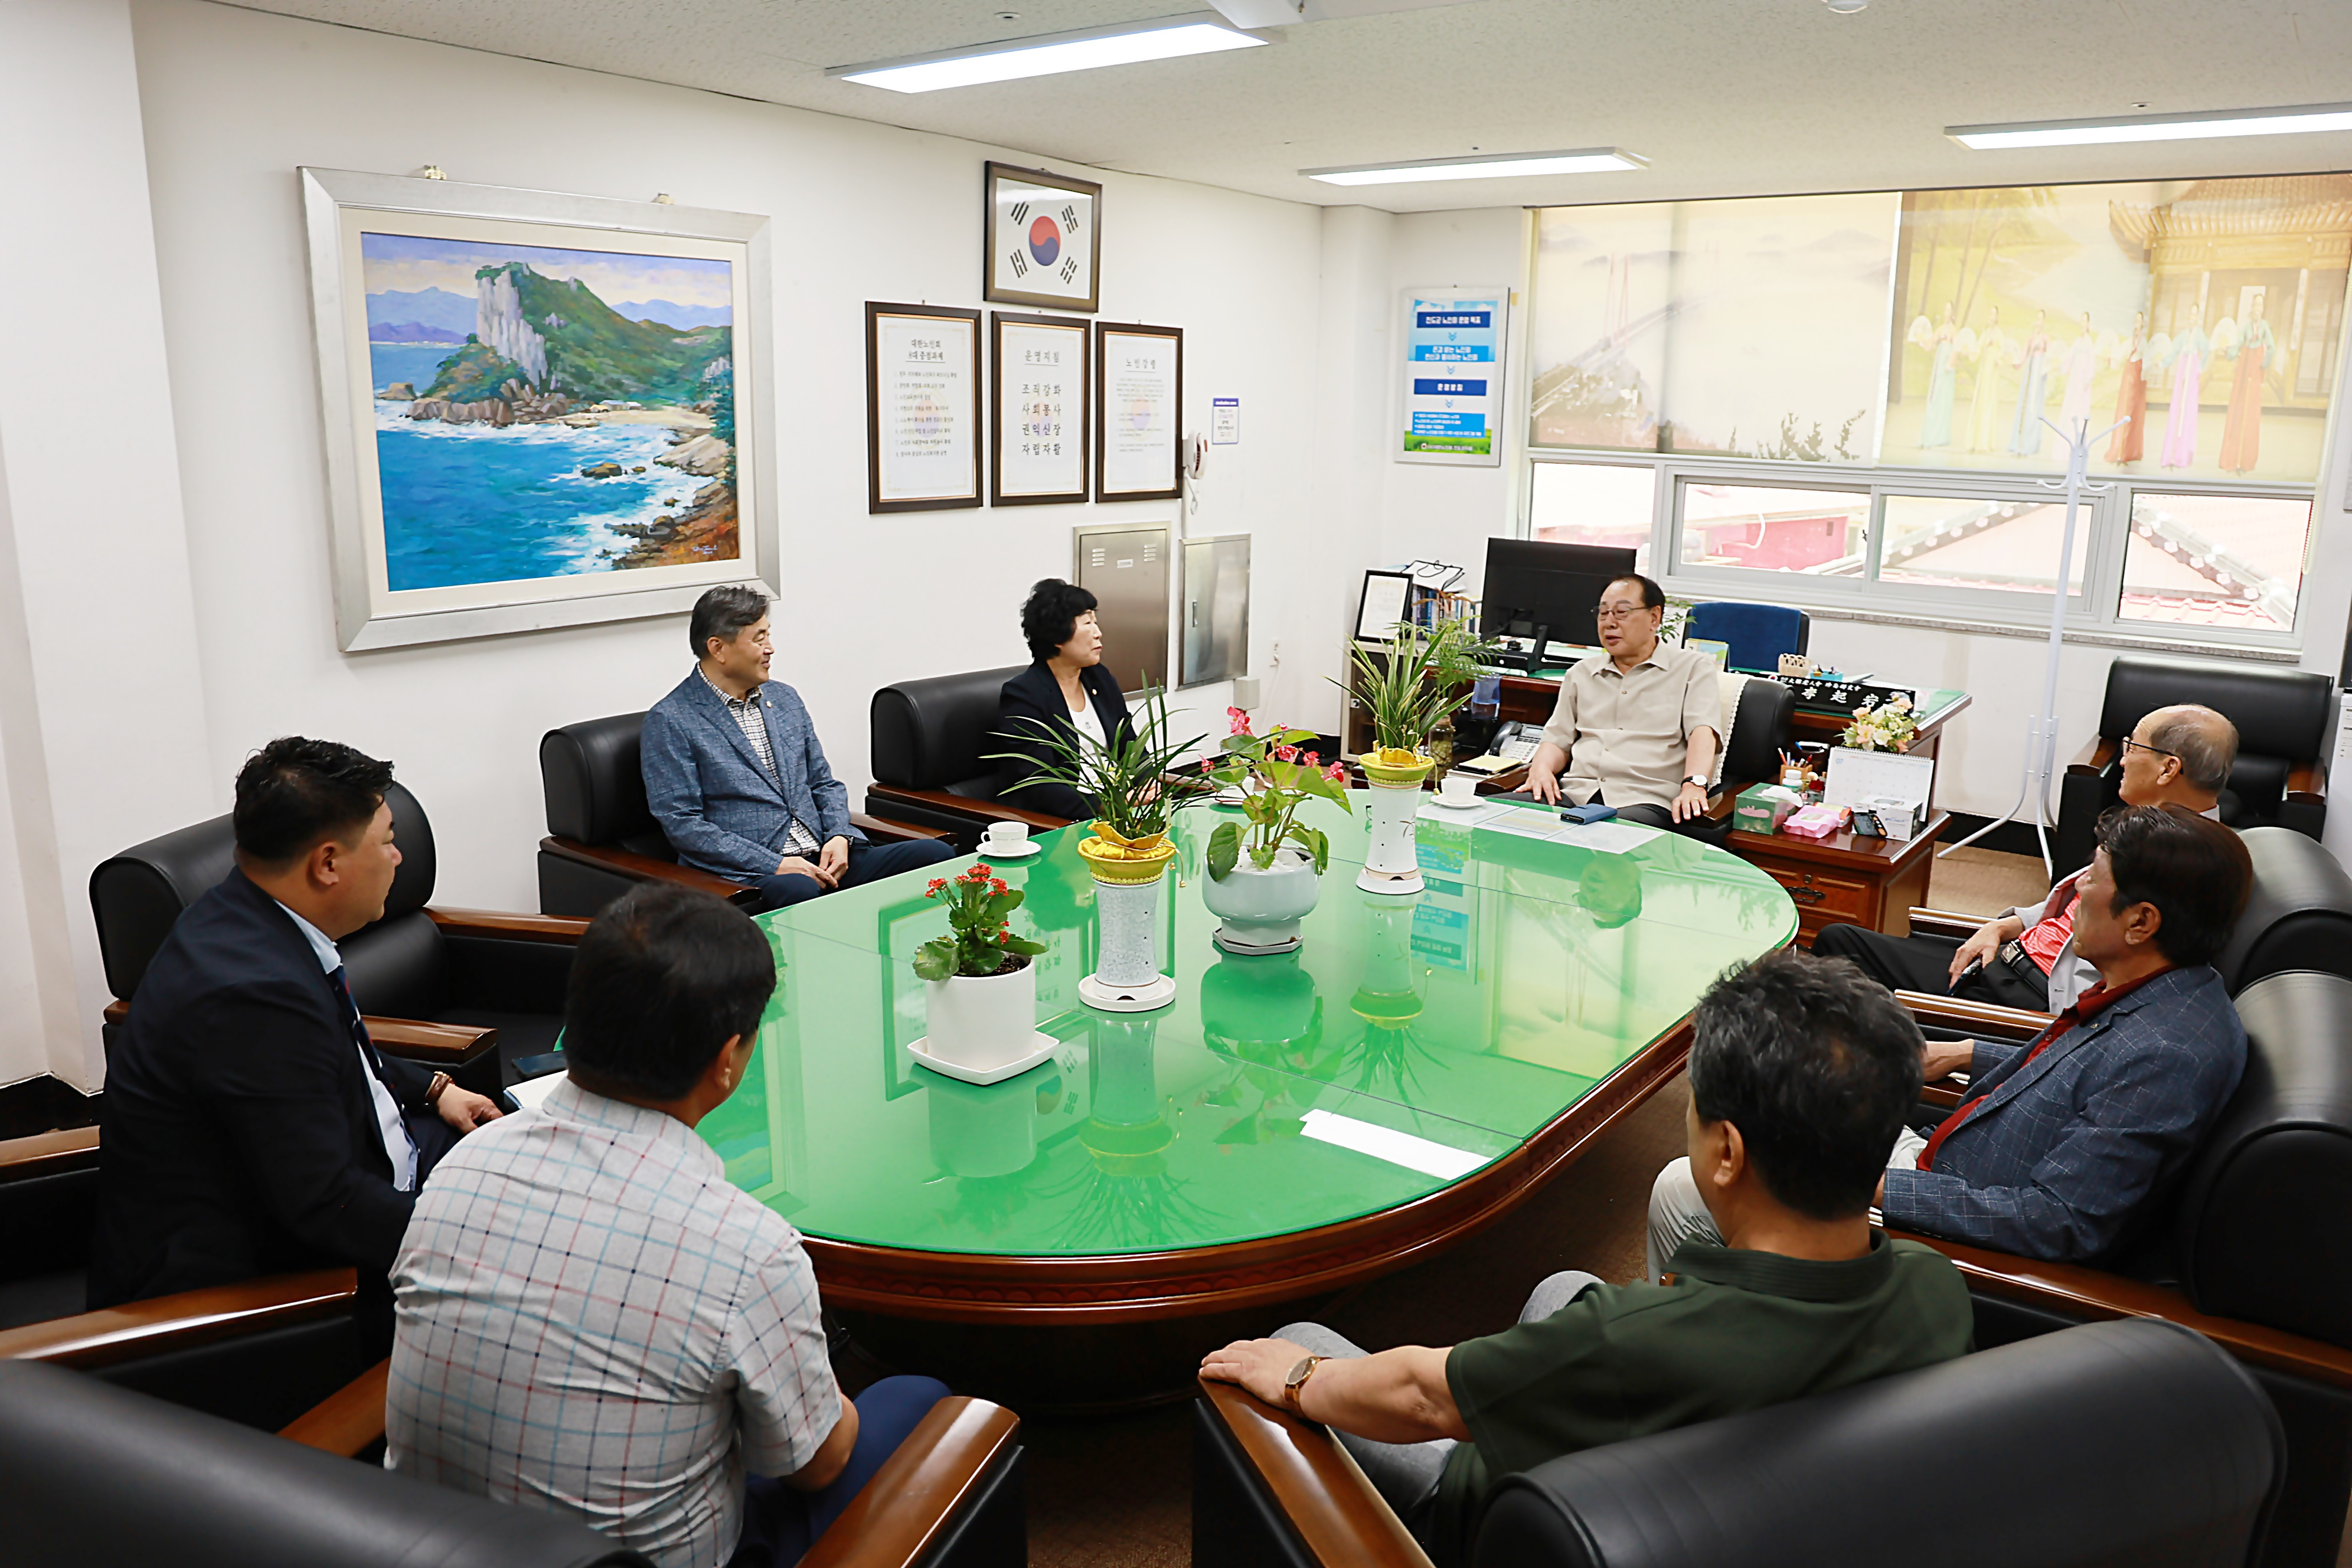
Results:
1316 1484
184 1320
2076 1291
915 1497
2096 753
447 1047
48 1153
1944 923
645 867
1944 1093
2306 784
1980 1018
882 830
349 1421
561 930
979 811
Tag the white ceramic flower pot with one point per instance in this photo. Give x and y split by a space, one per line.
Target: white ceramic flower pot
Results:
1259 911
982 1025
1126 977
1392 864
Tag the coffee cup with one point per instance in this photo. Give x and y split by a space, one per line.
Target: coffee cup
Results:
1458 789
1005 835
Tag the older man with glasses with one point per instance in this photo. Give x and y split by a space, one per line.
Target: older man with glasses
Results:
2026 958
1637 725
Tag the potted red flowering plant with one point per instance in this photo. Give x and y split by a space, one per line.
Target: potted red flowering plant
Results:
982 991
1264 870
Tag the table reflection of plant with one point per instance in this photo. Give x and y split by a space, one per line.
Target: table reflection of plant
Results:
1124 1198
1385 1057
1265 1015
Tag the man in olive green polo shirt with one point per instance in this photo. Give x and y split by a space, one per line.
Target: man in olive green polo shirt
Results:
1801 1072
1637 725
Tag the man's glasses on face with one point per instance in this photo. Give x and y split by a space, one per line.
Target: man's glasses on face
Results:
2129 744
1608 614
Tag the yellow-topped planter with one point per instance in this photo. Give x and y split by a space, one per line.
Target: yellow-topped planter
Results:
1393 766
1120 860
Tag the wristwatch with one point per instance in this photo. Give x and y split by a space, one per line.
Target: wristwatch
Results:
441 1080
1699 779
1298 1381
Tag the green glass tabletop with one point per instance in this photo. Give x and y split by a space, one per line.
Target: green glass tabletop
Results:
1407 1044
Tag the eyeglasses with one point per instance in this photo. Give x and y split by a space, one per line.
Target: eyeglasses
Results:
2129 744
1607 614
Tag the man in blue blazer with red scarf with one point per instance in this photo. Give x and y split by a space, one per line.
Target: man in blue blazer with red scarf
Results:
736 778
2064 1146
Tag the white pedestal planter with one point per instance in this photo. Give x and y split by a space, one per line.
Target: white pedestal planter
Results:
1126 977
1260 911
983 1030
1390 865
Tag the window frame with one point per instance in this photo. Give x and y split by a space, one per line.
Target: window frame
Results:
2105 519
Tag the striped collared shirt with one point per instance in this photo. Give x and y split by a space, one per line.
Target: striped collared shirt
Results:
592 1320
754 725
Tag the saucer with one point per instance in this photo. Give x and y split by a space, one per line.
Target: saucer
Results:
1473 803
990 852
1038 1055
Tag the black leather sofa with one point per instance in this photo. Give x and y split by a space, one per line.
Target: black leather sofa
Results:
2284 719
2249 1248
931 739
602 838
90 1474
473 992
2118 1443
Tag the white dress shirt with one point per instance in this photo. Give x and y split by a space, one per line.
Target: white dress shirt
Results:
1087 723
398 1147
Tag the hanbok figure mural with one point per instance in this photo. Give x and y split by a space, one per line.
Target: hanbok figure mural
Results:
1941 341
2242 434
2032 390
2129 441
1984 396
2080 365
2187 355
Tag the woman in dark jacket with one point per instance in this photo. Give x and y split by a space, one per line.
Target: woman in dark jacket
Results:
1067 686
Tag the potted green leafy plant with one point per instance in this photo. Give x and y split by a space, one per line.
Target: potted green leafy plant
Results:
1126 846
981 988
1264 871
1412 683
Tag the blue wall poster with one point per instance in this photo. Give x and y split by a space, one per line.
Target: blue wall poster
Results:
1453 407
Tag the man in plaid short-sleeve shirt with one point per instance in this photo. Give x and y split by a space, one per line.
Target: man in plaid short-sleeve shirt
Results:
594 1322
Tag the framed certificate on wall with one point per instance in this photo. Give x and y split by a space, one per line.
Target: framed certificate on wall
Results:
1037 413
1044 243
922 408
1138 407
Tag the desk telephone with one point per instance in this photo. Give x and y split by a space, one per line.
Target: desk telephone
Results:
1514 743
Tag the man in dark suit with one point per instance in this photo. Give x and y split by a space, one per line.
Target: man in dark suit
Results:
249 1125
2064 1146
735 775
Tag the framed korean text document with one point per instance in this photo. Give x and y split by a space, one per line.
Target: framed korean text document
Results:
1037 416
922 408
1138 398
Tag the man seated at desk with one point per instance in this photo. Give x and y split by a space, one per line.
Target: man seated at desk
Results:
1637 725
736 778
2028 958
1800 1071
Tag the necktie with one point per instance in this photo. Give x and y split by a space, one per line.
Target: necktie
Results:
374 1062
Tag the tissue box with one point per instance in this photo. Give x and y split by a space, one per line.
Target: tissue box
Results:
1761 808
1817 821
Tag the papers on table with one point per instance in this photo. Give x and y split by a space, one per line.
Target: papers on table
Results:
531 1090
1611 838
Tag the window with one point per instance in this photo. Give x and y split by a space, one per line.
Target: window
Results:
1608 504
1970 542
2209 560
1820 532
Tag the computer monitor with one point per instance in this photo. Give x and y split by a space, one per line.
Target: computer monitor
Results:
1533 582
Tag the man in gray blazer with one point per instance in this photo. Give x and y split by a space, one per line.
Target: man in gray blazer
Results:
736 778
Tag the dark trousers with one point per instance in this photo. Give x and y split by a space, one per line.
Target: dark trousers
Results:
780 1524
1924 964
867 863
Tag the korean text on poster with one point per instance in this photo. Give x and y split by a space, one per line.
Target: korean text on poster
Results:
1453 403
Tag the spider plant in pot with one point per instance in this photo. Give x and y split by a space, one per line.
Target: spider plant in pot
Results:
1264 871
1126 846
981 988
1412 683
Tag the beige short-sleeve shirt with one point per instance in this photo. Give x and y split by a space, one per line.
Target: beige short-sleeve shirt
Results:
1626 733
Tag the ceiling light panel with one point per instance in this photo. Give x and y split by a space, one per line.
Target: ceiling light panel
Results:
1167 37
2302 118
1582 160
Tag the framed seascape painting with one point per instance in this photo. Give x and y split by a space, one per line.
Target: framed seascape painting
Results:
540 410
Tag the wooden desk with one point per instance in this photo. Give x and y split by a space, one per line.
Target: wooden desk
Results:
1845 880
